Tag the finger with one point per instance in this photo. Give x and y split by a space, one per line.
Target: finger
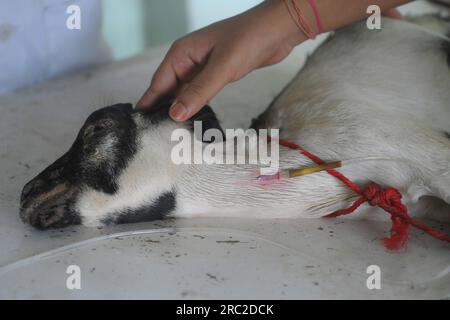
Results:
199 91
165 79
177 68
163 82
394 14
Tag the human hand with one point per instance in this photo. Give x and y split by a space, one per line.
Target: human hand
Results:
200 64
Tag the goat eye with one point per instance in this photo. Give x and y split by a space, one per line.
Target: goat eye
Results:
91 131
97 129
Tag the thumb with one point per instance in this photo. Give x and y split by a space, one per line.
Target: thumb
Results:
199 91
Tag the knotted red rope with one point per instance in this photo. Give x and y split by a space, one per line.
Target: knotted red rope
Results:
389 199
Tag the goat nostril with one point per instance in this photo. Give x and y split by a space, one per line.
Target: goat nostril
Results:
29 189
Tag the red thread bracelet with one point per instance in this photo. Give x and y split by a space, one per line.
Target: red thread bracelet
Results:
300 20
313 6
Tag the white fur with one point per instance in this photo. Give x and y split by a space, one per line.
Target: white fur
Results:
148 174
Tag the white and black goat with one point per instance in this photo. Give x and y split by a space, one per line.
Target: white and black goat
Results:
378 100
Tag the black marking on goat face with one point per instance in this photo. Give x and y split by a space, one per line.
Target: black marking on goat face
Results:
102 149
105 144
157 210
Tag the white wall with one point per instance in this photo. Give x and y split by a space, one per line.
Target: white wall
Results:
204 12
123 23
131 26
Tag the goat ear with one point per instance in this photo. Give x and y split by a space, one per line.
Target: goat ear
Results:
157 113
209 121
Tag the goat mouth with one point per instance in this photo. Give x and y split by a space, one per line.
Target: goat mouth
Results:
45 212
52 218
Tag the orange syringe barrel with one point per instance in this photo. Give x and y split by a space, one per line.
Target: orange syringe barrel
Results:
322 167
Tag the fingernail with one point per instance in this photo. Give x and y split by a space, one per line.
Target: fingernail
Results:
178 111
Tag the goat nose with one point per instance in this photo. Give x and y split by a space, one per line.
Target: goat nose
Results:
30 188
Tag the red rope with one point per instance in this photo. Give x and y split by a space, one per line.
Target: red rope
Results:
389 199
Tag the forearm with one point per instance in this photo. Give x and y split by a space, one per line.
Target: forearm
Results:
334 14
339 13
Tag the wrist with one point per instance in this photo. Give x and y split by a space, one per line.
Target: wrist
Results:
291 33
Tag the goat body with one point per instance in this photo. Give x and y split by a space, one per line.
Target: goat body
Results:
378 100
